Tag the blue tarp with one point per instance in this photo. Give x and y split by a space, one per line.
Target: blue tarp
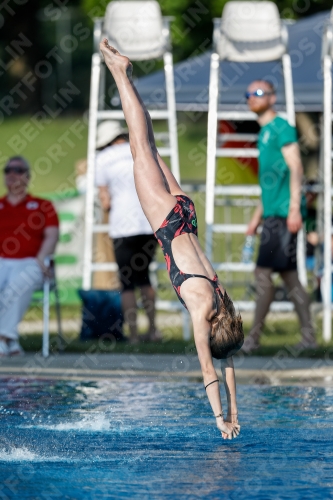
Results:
192 75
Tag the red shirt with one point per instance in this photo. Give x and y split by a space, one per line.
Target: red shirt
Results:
22 226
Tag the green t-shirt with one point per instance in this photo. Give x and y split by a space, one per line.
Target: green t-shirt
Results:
274 174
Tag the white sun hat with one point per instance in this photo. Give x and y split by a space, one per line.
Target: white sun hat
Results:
107 131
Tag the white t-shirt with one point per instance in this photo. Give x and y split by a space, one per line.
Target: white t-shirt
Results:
114 169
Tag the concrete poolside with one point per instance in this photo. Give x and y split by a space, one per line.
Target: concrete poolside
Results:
276 370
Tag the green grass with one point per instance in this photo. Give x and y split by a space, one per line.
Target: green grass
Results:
53 147
55 175
52 152
52 174
278 338
33 343
59 144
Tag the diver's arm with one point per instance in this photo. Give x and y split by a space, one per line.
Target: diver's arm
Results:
202 331
228 374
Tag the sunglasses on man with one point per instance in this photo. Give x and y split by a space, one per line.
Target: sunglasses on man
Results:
257 93
15 170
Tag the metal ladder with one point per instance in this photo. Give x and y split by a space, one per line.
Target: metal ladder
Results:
267 40
142 18
152 31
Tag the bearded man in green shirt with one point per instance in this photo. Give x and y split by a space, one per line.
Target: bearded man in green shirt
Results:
281 208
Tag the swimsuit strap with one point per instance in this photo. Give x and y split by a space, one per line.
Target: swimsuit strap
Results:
213 282
201 276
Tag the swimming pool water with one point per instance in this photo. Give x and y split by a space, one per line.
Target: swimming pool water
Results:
146 439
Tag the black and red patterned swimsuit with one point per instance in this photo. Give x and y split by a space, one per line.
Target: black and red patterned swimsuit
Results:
181 220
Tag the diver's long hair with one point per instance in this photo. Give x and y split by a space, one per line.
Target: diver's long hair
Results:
227 334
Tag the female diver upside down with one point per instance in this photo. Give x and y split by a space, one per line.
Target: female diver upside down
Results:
217 328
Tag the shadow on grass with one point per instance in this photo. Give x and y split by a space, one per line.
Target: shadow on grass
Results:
278 339
33 343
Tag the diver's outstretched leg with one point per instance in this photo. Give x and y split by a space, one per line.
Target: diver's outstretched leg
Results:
151 184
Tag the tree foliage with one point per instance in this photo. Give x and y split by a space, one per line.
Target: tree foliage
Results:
35 23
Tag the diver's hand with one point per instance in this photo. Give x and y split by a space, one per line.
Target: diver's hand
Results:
228 429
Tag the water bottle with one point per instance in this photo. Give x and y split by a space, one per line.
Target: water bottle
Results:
248 250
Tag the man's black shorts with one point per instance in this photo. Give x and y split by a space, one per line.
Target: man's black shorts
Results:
278 247
133 256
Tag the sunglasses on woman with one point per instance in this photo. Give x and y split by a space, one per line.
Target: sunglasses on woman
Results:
15 170
257 93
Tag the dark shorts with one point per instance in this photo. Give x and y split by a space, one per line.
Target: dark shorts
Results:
133 256
278 247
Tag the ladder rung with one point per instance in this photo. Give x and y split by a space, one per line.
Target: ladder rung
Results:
235 202
237 152
229 228
240 190
155 114
112 266
101 228
104 266
168 305
159 114
164 151
156 266
162 136
234 266
114 114
241 115
282 306
194 188
238 137
236 115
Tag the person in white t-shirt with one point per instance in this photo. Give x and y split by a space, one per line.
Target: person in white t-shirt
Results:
133 239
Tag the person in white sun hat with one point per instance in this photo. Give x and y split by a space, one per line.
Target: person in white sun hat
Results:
133 239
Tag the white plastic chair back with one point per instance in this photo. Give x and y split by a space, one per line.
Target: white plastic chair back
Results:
250 32
135 29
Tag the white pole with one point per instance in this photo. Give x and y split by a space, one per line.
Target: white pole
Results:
327 277
89 215
288 85
211 149
290 109
186 325
172 116
301 262
46 314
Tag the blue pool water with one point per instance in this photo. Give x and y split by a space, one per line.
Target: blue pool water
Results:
145 439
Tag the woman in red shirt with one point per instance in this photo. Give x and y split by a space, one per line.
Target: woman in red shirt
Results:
28 234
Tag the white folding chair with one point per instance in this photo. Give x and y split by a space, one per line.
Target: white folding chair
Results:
136 29
250 32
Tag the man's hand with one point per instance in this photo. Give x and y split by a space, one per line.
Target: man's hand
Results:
45 270
294 220
104 197
51 235
255 221
252 228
